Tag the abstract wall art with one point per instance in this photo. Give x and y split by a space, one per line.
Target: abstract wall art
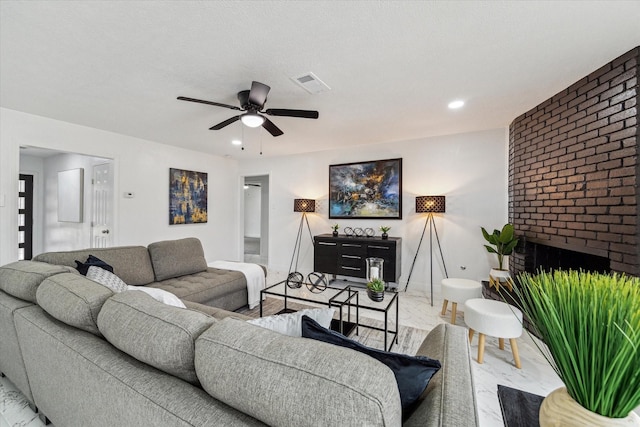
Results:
187 197
370 189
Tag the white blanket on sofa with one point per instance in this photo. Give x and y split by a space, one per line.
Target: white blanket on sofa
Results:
252 272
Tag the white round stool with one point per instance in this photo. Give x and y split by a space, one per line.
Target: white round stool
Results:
496 319
458 291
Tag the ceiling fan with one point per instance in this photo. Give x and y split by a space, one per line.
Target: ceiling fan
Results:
252 103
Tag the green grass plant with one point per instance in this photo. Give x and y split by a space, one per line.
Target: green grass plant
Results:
590 323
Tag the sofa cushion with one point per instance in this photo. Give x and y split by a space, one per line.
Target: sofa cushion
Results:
174 258
154 333
73 299
21 279
130 263
209 287
288 381
412 373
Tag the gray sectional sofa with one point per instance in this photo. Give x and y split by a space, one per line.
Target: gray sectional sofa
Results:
85 356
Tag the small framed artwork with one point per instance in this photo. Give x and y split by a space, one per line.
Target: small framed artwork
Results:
187 197
366 190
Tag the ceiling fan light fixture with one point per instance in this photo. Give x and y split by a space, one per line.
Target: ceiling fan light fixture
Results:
252 120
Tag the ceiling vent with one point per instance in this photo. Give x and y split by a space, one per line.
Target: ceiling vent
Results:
311 83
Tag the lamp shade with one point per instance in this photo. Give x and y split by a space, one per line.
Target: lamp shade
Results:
430 204
304 205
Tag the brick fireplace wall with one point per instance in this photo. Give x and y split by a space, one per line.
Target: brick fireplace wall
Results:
573 169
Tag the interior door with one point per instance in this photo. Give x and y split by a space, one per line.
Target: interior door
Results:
102 209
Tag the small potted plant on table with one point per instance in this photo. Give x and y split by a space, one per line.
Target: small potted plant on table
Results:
384 230
335 227
375 290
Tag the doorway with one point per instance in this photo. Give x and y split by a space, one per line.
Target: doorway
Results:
49 233
256 219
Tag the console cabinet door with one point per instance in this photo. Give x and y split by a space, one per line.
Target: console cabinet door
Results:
325 258
388 251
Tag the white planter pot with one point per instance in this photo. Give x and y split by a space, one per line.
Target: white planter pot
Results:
559 409
499 278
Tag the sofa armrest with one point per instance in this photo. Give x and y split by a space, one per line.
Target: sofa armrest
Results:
450 397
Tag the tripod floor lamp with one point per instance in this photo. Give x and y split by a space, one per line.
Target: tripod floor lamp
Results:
429 205
295 279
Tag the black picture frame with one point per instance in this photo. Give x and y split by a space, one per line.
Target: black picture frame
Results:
366 190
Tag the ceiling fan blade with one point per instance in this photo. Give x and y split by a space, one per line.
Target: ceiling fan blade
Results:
225 123
271 128
305 114
258 93
217 104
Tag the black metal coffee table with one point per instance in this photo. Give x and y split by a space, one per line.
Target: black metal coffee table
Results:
348 300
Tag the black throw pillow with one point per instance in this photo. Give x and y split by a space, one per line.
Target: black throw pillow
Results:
92 261
412 373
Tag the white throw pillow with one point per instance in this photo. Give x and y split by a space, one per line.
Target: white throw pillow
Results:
106 278
160 295
291 323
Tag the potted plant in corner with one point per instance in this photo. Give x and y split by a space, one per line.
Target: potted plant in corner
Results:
384 230
503 243
335 228
375 290
590 323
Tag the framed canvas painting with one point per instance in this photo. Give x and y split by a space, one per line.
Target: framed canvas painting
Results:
187 197
370 189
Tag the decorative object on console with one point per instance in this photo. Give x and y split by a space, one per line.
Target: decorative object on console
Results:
429 205
348 231
295 278
505 242
335 228
384 230
187 197
369 232
358 231
370 189
590 323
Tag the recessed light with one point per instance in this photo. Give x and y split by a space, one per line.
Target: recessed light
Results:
236 142
456 104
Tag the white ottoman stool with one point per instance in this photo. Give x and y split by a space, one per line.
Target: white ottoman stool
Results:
496 319
458 291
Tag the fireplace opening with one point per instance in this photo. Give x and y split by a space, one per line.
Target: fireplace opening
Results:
547 258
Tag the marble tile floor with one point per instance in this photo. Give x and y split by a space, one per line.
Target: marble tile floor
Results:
536 376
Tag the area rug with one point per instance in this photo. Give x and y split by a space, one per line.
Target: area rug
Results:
409 339
519 408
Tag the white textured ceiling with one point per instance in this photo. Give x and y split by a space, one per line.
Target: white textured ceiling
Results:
392 66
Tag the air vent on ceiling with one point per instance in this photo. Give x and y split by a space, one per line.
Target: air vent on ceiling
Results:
311 83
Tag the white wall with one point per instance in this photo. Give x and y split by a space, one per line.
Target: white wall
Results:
469 169
141 167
